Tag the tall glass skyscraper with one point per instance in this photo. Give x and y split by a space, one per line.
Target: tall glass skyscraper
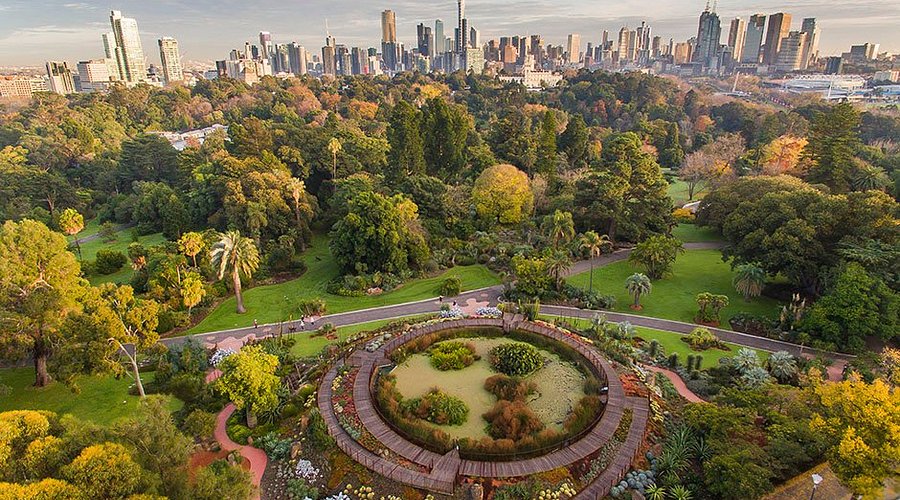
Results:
129 51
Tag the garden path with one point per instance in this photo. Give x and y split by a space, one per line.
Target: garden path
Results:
677 382
256 457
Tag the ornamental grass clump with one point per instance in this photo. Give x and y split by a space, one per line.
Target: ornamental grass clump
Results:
516 359
452 355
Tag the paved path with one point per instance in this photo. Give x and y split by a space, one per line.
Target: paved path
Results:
677 382
88 239
256 457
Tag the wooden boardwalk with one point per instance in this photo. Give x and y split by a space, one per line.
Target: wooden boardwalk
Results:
444 470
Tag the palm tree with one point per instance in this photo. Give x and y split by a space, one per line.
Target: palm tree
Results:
638 284
558 262
559 228
594 245
239 255
334 147
782 366
869 178
190 244
749 280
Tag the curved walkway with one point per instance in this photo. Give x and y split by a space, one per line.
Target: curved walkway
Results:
256 457
443 470
677 382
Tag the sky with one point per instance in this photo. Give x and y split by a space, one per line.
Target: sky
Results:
33 31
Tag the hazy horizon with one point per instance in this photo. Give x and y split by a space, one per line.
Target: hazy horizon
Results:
34 31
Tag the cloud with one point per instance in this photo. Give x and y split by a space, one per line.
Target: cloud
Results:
79 6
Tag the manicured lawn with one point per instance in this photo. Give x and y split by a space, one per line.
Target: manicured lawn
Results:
678 191
101 399
675 297
265 303
308 346
690 233
89 252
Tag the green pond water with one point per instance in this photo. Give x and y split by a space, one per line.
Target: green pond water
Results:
560 385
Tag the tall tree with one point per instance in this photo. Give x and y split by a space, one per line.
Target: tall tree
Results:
594 245
749 280
39 286
546 145
238 255
833 141
445 128
249 381
71 222
575 142
503 194
559 228
191 244
407 155
334 147
657 255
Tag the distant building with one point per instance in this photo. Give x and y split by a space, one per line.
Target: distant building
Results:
709 35
891 75
171 60
128 52
834 65
60 77
736 36
534 80
22 86
94 75
573 48
779 27
791 54
753 39
475 60
811 44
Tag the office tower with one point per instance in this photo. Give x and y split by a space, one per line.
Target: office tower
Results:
388 27
425 40
109 51
329 66
171 60
359 61
779 27
681 53
863 53
642 41
129 52
439 38
94 75
60 77
791 52
811 46
267 50
222 68
736 33
462 27
298 58
474 60
709 34
537 49
754 39
474 38
573 48
834 65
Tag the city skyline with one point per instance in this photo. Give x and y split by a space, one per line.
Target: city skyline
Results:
204 32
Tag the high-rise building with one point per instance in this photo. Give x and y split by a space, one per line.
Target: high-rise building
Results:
834 65
626 45
60 77
573 48
643 40
267 49
474 38
171 60
791 52
329 66
109 50
94 75
439 38
779 27
388 27
475 60
811 46
298 57
709 35
681 53
736 33
425 40
754 39
129 52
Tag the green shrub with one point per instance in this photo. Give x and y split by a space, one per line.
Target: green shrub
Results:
317 432
109 261
673 359
312 307
701 339
439 408
516 359
238 433
452 355
274 446
200 423
451 286
299 489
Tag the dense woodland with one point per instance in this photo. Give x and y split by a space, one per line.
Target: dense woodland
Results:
415 174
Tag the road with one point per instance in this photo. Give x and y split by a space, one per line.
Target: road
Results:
491 295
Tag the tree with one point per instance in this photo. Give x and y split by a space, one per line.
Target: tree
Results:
532 275
638 284
502 193
239 255
558 262
546 145
782 155
71 222
148 158
559 228
407 155
445 128
656 255
749 280
593 244
191 244
192 290
39 285
249 381
303 205
862 424
575 143
104 471
334 147
222 481
833 141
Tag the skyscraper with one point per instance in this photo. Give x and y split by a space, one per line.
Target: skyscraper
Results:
267 50
709 34
573 48
439 38
388 27
329 67
462 30
736 33
779 27
129 52
811 45
61 80
171 60
298 57
791 52
754 38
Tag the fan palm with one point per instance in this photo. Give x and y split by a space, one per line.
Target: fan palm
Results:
558 262
334 147
749 280
559 228
637 285
593 244
238 255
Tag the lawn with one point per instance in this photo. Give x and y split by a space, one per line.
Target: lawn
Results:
691 233
265 303
89 252
308 346
675 297
101 399
678 191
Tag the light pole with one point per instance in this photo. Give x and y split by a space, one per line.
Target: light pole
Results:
816 479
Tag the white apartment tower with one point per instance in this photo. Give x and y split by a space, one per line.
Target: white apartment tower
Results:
129 52
171 60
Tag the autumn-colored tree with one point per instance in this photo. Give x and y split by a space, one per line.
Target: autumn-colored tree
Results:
249 381
862 422
191 244
104 471
39 286
238 255
71 222
502 193
334 147
782 155
192 291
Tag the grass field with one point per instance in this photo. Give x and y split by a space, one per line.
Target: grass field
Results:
308 346
675 297
690 233
678 191
265 303
101 399
89 252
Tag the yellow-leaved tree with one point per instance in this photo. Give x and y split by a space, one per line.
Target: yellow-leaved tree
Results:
502 193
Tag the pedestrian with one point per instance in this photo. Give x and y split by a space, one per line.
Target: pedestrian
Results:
454 303
302 324
441 299
255 324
